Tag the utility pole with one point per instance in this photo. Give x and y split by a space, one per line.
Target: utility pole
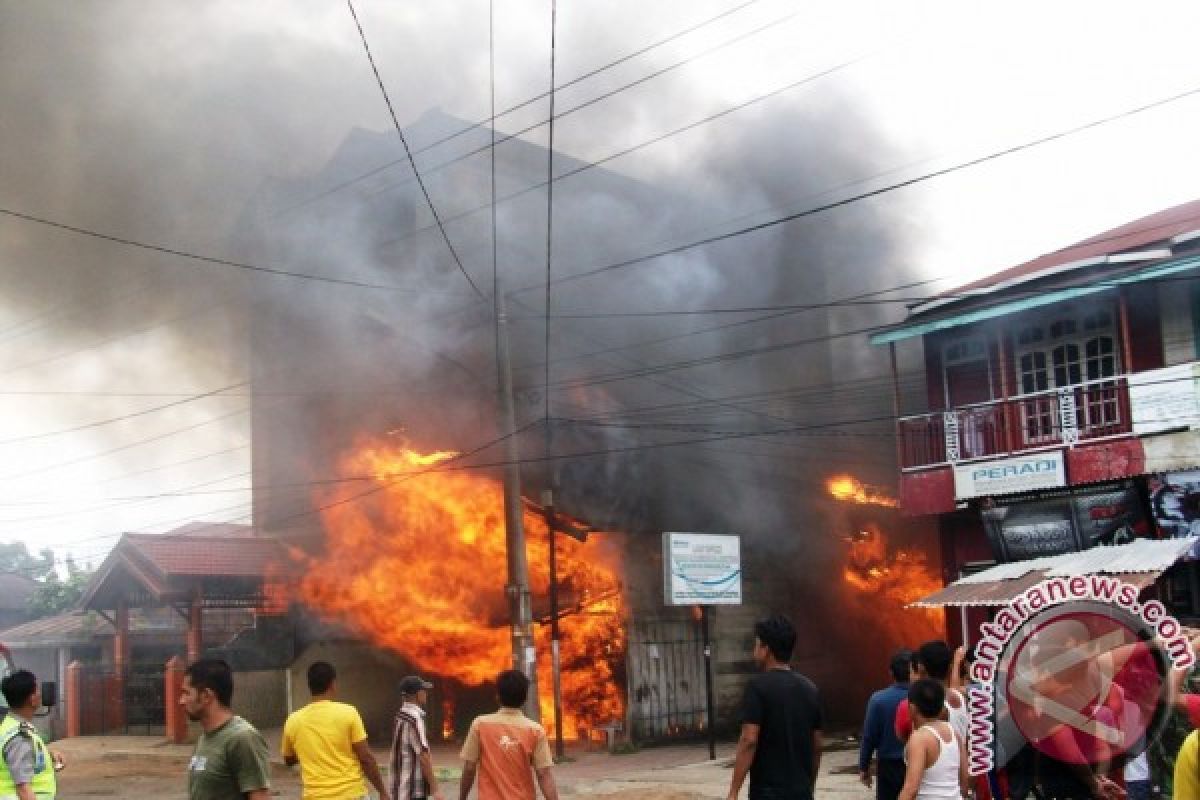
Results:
556 663
517 588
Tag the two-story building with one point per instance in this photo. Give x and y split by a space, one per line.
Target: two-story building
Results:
1061 403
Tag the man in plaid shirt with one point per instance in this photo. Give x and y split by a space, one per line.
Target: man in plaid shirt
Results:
412 763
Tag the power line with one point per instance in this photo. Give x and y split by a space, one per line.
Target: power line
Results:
874 192
549 209
122 418
845 303
715 328
490 120
81 460
641 145
171 251
420 181
701 361
107 503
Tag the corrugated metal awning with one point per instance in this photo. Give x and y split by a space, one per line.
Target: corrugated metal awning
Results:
1001 593
1139 563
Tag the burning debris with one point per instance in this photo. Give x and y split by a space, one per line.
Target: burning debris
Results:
886 576
851 489
417 568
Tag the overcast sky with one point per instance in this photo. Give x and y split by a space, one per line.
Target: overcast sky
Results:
160 121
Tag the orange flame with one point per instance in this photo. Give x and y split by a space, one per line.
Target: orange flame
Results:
850 489
419 568
891 579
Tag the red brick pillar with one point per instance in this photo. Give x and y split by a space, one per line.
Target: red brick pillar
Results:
177 721
73 698
195 632
116 689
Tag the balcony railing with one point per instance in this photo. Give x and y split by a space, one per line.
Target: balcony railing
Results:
1068 415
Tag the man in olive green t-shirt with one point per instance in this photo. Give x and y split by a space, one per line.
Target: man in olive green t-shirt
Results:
230 761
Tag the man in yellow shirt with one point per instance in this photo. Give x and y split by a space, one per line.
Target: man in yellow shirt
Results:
1187 769
329 742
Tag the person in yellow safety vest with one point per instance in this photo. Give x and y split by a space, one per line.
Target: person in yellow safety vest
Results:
28 766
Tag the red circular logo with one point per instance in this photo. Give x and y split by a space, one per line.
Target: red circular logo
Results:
1083 688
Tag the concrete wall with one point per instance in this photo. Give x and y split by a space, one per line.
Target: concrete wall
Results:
367 679
261 697
46 664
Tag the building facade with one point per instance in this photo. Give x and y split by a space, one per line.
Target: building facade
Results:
1061 409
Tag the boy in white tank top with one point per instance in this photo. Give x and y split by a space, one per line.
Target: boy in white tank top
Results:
935 757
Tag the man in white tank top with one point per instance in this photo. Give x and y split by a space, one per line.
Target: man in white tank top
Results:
935 756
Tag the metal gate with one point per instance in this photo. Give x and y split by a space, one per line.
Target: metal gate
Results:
145 701
130 701
666 680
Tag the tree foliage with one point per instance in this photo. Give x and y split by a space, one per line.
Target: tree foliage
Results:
15 557
54 593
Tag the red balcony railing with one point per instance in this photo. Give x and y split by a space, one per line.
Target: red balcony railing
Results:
1002 427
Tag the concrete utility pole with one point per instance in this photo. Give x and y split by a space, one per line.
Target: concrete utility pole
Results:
555 647
517 588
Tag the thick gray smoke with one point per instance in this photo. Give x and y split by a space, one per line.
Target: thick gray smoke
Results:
199 128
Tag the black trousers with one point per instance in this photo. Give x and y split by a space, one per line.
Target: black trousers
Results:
890 778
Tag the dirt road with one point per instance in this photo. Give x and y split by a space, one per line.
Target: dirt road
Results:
146 768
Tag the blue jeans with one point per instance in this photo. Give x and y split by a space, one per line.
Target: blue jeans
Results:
1138 790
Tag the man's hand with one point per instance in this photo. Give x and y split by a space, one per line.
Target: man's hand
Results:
1108 789
865 777
57 758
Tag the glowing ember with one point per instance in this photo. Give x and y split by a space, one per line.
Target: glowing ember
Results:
447 719
849 489
419 568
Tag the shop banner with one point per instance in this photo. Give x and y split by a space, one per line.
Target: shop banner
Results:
1165 399
1112 514
1175 503
1010 475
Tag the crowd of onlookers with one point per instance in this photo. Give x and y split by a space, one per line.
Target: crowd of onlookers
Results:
916 733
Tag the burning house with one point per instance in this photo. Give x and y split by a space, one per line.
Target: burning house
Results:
377 460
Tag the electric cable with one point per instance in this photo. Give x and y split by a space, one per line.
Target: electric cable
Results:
404 141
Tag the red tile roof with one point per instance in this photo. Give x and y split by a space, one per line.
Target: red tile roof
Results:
1157 227
215 556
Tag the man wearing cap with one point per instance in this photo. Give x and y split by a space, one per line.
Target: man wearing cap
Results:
412 763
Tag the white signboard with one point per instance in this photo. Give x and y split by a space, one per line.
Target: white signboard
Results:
702 569
1164 399
1010 475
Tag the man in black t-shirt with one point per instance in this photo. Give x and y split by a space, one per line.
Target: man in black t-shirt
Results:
780 745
